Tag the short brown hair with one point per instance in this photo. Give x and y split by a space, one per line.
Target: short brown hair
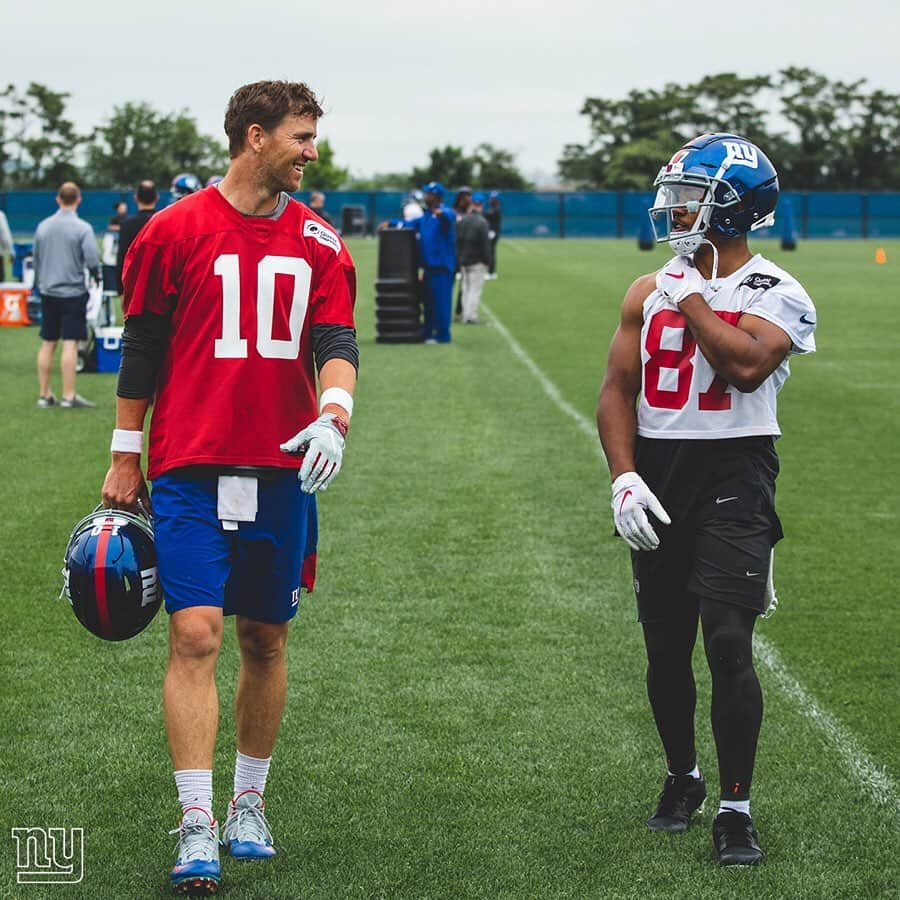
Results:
69 193
146 192
266 103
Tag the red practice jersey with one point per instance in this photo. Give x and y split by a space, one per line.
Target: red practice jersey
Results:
242 294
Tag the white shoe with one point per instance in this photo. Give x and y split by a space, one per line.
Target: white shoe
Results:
247 834
196 868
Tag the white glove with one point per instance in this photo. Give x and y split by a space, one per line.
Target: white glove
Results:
630 498
322 446
678 278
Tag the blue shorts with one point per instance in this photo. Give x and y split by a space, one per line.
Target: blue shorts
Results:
256 571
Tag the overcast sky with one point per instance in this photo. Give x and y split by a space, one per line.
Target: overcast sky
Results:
400 77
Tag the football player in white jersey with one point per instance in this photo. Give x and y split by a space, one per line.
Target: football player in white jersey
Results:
687 418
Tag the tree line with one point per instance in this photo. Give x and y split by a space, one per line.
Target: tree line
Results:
40 147
821 135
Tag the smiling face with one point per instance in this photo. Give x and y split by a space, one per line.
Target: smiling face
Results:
284 151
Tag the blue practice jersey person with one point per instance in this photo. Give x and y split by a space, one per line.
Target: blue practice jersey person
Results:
436 230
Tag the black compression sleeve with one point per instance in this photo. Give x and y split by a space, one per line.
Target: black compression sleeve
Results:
143 347
334 342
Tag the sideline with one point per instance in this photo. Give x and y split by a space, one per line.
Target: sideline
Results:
873 779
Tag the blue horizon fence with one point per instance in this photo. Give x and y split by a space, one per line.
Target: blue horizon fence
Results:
554 214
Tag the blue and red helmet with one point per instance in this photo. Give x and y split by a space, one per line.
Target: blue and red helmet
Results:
434 187
724 178
109 574
184 184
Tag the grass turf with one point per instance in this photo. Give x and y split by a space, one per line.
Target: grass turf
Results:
466 713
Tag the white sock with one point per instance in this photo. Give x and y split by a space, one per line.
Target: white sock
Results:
741 806
694 773
250 773
195 788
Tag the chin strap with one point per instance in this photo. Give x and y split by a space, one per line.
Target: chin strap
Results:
715 266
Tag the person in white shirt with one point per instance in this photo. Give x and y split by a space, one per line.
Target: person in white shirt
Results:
412 208
687 418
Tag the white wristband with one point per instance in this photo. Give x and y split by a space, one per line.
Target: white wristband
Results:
338 396
127 441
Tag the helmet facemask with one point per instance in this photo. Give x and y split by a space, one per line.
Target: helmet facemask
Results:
696 193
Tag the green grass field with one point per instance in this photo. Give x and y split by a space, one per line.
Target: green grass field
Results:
466 713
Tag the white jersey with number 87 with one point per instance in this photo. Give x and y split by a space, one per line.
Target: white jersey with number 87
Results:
681 394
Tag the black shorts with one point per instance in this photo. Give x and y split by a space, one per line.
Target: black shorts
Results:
64 317
720 496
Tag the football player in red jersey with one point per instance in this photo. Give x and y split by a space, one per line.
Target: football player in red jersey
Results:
236 298
687 417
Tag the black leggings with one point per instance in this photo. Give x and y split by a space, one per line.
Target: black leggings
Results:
737 704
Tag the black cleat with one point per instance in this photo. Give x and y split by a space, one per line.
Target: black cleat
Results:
681 796
736 840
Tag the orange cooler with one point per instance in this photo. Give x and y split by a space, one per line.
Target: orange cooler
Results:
14 304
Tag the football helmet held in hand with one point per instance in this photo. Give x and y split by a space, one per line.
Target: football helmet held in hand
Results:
109 573
725 179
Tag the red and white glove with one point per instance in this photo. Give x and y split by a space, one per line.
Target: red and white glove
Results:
322 446
679 278
631 498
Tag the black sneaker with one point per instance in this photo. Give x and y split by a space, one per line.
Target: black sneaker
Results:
681 796
736 840
46 402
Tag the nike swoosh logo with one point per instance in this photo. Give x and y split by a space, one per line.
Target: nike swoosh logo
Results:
806 321
627 495
724 499
751 574
672 275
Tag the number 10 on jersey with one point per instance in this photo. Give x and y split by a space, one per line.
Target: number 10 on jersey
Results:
231 345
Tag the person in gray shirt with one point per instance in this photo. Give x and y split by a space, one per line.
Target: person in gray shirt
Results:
473 250
64 246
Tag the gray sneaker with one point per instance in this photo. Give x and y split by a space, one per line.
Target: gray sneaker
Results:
47 402
247 834
196 868
77 402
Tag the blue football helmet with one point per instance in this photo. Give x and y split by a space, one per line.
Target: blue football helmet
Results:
725 179
184 184
109 573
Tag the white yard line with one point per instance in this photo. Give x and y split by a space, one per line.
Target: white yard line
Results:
873 779
550 389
